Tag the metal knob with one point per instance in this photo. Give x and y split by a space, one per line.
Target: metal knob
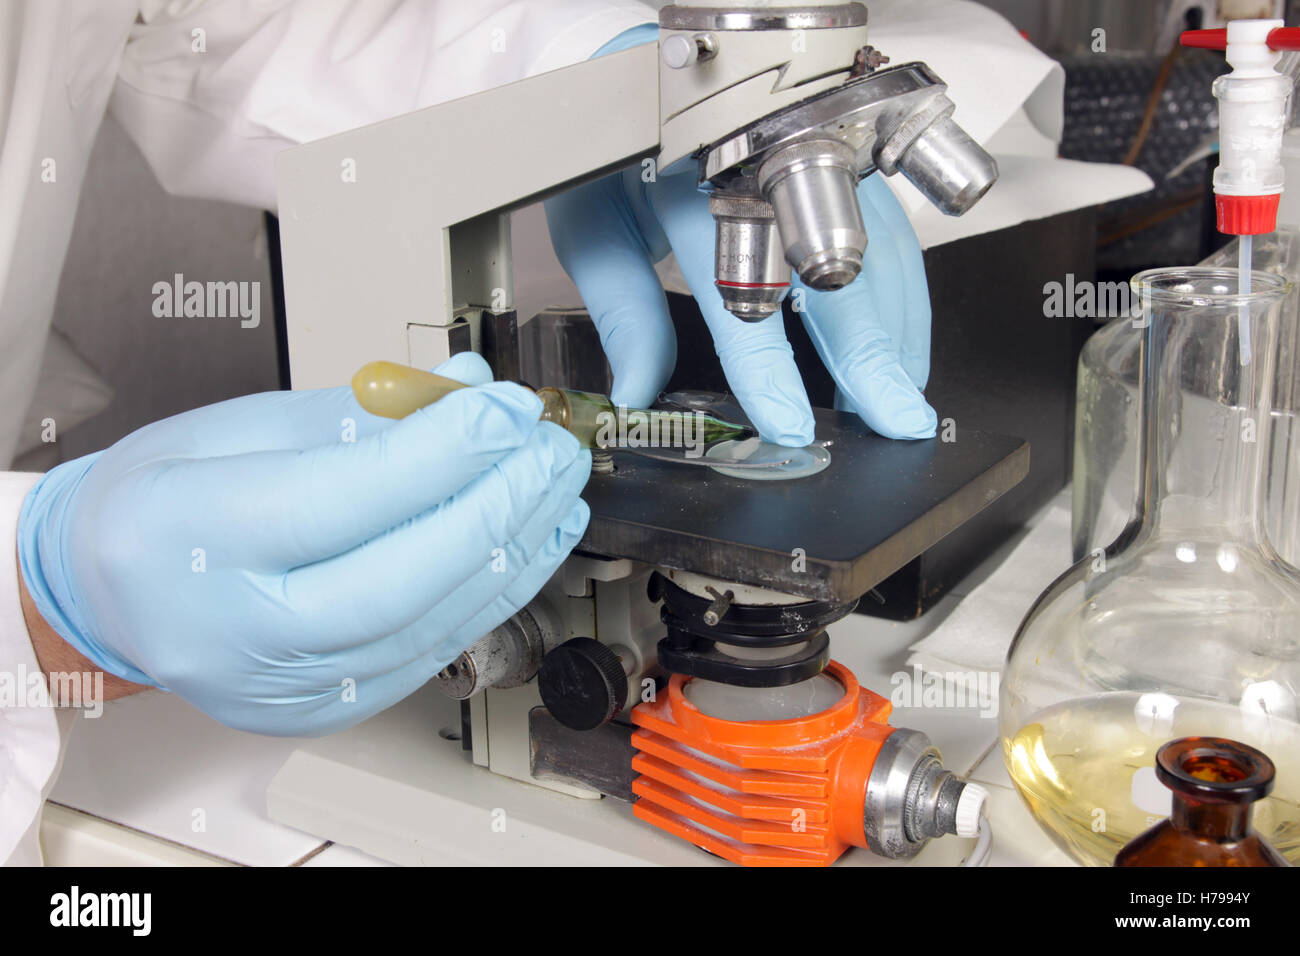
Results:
582 683
507 656
911 798
680 51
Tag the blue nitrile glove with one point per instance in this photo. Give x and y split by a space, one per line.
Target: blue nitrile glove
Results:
873 336
290 564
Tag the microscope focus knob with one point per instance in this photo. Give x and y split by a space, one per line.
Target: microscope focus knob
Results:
582 683
680 51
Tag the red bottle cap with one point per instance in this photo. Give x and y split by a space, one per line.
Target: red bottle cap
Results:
1246 215
1281 38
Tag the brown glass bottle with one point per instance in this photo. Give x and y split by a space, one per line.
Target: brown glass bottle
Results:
1216 782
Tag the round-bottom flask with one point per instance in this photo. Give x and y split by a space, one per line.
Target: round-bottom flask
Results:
1189 623
1107 434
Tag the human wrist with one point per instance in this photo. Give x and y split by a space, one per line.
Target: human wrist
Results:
43 566
56 656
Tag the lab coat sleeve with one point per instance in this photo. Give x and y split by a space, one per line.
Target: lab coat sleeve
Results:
31 734
211 90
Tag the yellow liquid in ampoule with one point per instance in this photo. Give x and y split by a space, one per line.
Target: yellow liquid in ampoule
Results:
1086 769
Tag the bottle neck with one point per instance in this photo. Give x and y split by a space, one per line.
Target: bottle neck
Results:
1226 822
1205 424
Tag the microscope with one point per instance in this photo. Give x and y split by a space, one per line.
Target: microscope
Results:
680 659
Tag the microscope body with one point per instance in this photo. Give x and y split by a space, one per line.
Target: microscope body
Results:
396 236
396 246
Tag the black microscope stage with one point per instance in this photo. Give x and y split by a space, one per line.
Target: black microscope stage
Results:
877 506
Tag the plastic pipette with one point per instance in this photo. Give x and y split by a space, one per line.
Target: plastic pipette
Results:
395 391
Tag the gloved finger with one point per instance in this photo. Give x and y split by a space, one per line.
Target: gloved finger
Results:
370 651
879 203
541 568
755 356
468 367
872 382
601 244
329 710
288 508
408 570
497 590
387 689
856 331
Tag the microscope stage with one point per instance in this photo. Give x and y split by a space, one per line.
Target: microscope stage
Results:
831 536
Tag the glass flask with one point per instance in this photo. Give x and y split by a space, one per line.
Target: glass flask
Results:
1215 784
1107 436
1188 624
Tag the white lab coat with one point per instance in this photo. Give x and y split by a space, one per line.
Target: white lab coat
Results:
210 90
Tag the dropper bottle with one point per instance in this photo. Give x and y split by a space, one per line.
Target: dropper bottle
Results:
1215 784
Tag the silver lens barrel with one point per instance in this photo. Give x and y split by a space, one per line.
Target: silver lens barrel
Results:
812 187
749 266
939 158
950 168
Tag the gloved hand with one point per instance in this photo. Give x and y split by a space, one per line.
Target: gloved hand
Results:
290 564
873 335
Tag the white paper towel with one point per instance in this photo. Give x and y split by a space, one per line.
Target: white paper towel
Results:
1009 97
1028 188
976 635
991 70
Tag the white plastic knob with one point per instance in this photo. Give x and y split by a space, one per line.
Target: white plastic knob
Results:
970 806
1247 50
679 51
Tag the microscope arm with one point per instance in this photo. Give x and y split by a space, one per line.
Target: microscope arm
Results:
391 229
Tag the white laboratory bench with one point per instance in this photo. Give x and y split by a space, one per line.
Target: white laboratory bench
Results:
155 782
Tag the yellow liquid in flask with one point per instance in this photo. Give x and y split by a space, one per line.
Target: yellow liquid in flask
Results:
1086 768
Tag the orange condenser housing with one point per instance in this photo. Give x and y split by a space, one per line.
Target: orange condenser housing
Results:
760 793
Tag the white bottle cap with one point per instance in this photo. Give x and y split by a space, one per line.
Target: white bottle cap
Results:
970 806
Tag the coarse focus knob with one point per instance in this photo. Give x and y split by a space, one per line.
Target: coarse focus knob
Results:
582 683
